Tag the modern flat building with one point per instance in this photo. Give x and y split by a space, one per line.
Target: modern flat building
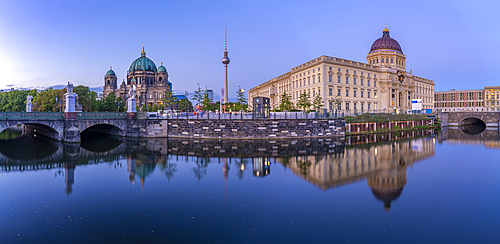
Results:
459 100
151 82
380 85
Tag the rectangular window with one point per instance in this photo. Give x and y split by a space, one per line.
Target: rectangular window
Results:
362 105
354 81
319 79
338 92
330 77
375 94
362 93
338 78
374 83
391 60
330 68
347 106
346 92
354 93
368 106
330 91
339 106
382 60
314 79
308 81
347 80
361 81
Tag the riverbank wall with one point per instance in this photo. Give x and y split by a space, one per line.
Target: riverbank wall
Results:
236 129
374 127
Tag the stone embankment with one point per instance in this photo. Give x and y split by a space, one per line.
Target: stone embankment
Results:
387 126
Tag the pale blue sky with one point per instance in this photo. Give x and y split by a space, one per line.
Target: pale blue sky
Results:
44 43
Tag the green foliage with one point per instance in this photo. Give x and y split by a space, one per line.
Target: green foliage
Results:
198 95
303 102
169 101
47 100
240 96
185 105
206 102
285 103
317 102
15 100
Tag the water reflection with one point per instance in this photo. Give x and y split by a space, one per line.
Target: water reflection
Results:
489 137
380 159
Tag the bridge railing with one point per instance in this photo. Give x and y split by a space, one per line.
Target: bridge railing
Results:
101 115
231 116
31 115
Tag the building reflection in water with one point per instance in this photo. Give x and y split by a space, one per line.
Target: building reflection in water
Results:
383 164
261 166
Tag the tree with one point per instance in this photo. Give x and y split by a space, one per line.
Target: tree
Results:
84 97
206 102
241 101
47 100
336 101
109 103
285 103
198 95
15 100
169 101
304 102
317 102
185 105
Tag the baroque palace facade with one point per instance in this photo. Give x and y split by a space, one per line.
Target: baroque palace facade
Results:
151 82
380 85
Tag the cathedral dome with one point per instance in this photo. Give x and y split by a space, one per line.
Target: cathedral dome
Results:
386 43
142 64
162 68
110 72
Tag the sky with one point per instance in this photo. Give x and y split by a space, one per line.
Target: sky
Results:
46 43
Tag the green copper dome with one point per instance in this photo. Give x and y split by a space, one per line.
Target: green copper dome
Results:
110 72
142 64
162 68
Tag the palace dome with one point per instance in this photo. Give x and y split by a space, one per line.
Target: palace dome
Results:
142 64
386 43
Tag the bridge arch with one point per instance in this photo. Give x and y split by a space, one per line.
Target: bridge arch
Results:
104 127
51 129
472 121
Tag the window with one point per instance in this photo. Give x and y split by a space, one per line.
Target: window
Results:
338 78
339 69
330 91
354 80
314 79
374 83
308 81
362 105
330 68
338 92
368 82
391 60
368 106
347 106
319 79
375 94
377 60
387 60
346 92
330 77
382 60
361 81
347 79
319 69
362 93
354 93
368 93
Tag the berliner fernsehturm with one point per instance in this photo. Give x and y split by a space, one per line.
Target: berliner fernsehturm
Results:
225 61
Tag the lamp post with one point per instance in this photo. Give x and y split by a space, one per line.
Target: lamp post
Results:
59 102
118 103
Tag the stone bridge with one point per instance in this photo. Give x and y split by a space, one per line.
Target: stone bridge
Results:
68 130
458 118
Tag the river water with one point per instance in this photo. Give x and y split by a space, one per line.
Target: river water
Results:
410 187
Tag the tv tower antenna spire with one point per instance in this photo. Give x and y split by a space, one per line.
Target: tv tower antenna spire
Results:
225 61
